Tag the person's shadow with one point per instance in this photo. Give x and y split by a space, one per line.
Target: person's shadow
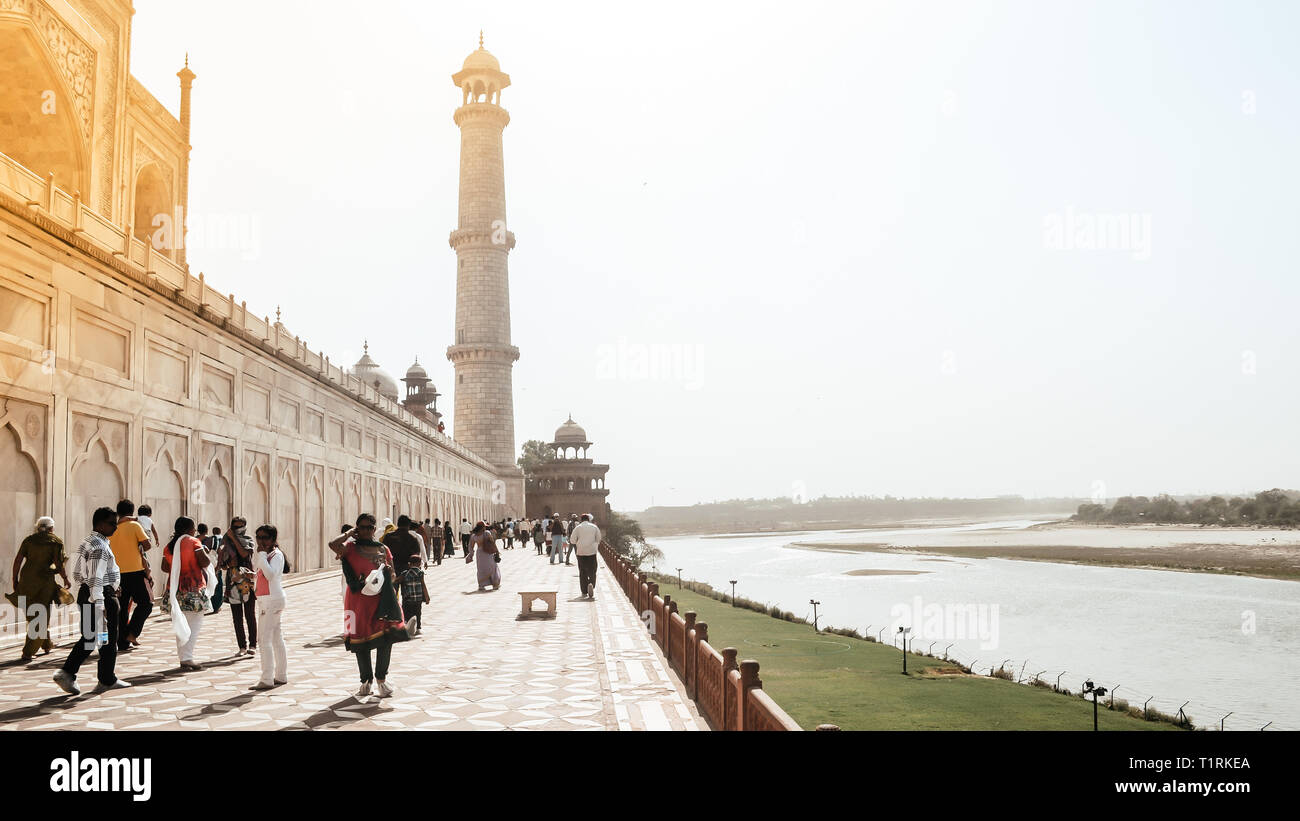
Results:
328 716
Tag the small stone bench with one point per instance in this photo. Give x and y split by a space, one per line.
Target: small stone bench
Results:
527 599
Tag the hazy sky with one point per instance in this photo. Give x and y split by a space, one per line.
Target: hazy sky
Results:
842 247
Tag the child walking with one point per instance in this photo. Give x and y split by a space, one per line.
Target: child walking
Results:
414 595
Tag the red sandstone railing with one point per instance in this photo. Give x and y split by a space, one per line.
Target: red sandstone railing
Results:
729 695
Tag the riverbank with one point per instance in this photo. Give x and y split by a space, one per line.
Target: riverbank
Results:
825 678
1271 554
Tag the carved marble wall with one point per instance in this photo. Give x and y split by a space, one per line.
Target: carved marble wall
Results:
111 391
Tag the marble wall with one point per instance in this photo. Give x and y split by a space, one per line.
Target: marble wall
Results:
109 389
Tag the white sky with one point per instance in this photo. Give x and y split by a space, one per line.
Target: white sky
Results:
834 216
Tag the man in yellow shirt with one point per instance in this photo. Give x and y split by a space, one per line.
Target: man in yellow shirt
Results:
129 543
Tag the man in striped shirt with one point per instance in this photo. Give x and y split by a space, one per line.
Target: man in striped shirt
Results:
95 573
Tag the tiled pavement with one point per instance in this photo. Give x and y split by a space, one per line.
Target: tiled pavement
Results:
476 667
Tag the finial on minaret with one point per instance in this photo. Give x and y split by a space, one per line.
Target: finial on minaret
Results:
417 359
480 38
277 314
187 59
365 346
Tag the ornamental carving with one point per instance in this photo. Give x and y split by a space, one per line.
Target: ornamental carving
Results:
73 56
145 154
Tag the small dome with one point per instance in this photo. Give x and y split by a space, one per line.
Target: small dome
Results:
369 372
570 433
382 382
417 371
481 59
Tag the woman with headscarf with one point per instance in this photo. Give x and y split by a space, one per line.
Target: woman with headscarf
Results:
448 539
236 559
39 558
483 546
187 588
372 617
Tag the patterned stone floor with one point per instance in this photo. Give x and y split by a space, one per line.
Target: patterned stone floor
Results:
476 667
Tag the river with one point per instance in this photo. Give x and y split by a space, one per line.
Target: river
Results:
1224 644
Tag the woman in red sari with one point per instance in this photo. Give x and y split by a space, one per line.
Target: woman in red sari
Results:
372 618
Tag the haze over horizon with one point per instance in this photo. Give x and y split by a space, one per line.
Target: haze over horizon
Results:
842 250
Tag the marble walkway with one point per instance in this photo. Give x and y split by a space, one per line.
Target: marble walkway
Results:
476 667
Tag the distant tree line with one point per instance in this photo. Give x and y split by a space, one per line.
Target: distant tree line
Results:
1275 508
843 511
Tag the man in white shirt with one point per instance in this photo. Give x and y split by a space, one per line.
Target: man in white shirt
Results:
465 529
585 538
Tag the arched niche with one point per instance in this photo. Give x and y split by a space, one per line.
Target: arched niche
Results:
20 492
153 201
39 123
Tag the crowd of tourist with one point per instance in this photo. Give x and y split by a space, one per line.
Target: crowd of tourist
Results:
383 566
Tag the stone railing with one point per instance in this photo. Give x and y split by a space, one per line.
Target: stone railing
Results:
729 695
63 213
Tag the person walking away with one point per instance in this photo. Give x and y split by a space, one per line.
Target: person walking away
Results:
483 548
414 596
129 543
448 539
569 524
557 539
184 560
96 575
268 561
435 543
241 594
465 530
40 557
371 617
537 537
402 543
586 541
417 531
213 545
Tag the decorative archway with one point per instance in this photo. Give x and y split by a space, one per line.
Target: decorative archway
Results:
153 199
43 124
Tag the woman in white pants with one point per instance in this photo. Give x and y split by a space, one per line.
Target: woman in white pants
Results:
268 560
187 596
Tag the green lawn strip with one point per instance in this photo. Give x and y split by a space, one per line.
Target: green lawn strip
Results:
859 685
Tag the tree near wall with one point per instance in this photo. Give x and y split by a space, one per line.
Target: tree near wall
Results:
533 453
624 536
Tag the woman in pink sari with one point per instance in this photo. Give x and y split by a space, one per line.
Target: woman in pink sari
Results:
483 548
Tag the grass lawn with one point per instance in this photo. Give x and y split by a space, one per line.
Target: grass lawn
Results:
859 685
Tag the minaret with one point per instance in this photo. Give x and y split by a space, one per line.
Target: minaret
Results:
483 357
187 83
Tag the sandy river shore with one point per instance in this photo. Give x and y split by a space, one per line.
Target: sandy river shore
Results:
1265 553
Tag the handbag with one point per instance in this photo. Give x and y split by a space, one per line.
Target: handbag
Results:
63 595
497 556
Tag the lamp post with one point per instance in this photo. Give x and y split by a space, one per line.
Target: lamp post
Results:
1089 687
679 578
903 631
814 604
733 592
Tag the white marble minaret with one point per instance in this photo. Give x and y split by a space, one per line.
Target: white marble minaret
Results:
483 357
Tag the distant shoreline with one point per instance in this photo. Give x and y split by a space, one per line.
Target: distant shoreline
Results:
724 532
1272 560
